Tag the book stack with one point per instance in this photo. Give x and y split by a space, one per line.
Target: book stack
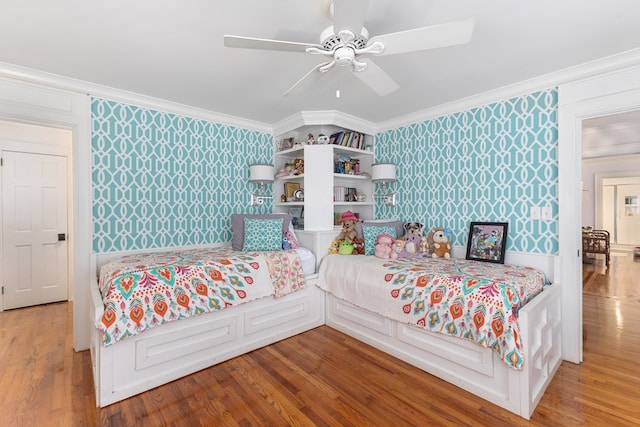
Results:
348 139
344 194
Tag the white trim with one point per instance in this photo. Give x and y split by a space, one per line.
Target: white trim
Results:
33 103
546 81
99 91
614 92
333 117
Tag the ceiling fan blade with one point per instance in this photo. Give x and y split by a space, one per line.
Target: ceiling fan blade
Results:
307 81
255 43
376 78
435 36
349 15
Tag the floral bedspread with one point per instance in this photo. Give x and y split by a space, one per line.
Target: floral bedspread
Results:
145 290
473 300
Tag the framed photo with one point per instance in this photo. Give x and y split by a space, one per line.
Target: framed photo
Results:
289 190
487 241
287 143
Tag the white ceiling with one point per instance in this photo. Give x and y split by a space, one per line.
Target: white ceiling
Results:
173 50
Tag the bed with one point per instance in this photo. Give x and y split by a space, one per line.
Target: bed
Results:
162 315
491 329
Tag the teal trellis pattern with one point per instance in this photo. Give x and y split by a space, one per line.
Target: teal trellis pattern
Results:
163 180
490 163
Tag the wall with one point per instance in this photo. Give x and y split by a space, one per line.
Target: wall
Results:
490 163
164 180
611 166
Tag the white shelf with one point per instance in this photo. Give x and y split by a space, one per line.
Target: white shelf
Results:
319 178
346 176
353 203
289 204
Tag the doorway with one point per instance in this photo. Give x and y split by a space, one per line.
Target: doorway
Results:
603 94
620 206
34 206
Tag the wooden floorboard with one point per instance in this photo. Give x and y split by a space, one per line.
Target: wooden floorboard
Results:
324 378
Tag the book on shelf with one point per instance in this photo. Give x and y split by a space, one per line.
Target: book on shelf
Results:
335 138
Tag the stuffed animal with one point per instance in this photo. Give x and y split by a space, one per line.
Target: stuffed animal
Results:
411 246
358 246
412 239
348 227
298 166
424 246
289 241
413 227
333 249
439 243
400 245
345 248
385 247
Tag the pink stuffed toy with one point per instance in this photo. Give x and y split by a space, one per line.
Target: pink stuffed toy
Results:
385 247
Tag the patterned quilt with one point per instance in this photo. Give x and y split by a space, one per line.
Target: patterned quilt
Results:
473 300
145 290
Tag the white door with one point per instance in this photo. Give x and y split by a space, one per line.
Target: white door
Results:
34 227
628 218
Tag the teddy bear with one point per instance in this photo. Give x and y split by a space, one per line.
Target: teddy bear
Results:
348 232
385 247
439 243
358 246
333 249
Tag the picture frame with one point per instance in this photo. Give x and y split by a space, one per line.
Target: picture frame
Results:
487 241
287 143
289 189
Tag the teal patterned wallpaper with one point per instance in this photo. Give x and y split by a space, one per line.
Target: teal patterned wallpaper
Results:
163 180
490 163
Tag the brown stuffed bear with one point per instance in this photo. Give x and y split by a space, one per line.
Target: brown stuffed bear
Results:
358 246
348 227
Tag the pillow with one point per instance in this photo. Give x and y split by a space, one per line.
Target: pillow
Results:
262 234
237 226
371 233
291 238
398 225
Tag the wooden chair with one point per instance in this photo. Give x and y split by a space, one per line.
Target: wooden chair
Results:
596 242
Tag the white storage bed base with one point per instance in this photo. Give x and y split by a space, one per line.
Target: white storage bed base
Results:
171 351
466 365
174 350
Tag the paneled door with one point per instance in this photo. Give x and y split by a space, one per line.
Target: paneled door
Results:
34 227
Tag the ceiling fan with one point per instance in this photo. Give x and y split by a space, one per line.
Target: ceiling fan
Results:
346 43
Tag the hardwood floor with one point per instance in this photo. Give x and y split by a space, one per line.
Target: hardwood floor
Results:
323 377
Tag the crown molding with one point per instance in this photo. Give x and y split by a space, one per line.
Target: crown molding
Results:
584 71
56 81
325 117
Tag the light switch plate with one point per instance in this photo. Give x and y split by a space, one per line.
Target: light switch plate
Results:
546 213
535 212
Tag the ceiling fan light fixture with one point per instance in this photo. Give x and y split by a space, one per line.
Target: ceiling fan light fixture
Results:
330 40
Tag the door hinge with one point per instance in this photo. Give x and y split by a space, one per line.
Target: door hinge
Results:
1 161
3 290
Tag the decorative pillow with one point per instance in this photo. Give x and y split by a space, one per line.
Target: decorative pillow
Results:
371 233
237 226
398 225
262 234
